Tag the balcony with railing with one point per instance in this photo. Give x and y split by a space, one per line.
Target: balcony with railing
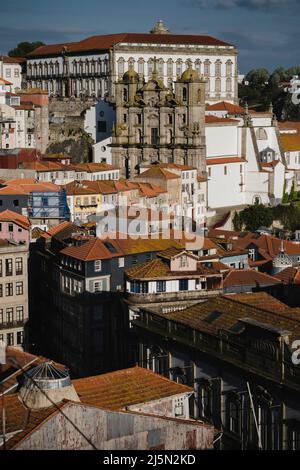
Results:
258 356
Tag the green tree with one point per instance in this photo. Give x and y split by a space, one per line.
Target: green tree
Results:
24 48
258 77
256 216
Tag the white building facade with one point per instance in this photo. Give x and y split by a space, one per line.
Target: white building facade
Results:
92 66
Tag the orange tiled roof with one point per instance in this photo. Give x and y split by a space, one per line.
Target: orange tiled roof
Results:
225 106
29 185
17 359
92 250
10 216
90 187
112 40
94 167
248 277
231 310
159 269
289 276
218 120
45 166
157 172
224 160
290 142
120 389
261 300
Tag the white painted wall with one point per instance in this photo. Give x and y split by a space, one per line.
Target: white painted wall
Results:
222 140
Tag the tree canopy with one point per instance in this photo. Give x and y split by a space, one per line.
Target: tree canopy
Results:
24 48
264 88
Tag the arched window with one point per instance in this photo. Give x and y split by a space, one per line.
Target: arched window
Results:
218 85
46 68
170 68
184 94
229 68
198 66
179 68
207 85
87 67
150 67
207 68
131 63
141 67
170 136
160 68
57 68
121 69
218 68
228 85
125 95
261 134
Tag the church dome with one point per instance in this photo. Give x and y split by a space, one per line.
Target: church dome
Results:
46 385
281 261
131 76
190 75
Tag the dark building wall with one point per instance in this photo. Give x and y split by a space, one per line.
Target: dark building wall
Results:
13 203
220 375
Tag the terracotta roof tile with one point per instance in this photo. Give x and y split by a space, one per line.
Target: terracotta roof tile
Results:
218 120
224 160
225 106
231 310
290 142
156 172
248 277
158 269
289 276
108 41
10 216
120 389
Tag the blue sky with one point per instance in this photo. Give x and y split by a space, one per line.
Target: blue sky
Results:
266 32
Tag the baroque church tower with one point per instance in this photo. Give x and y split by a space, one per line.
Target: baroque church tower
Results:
159 124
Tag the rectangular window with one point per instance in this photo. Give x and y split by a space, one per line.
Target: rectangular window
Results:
10 339
19 288
1 290
225 170
161 286
134 259
1 316
20 314
121 262
19 266
9 289
98 286
154 136
20 336
9 315
1 268
98 265
8 73
183 284
10 227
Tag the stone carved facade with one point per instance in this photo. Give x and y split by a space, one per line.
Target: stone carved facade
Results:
155 123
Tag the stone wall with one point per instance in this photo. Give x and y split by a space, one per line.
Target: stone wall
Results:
67 128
